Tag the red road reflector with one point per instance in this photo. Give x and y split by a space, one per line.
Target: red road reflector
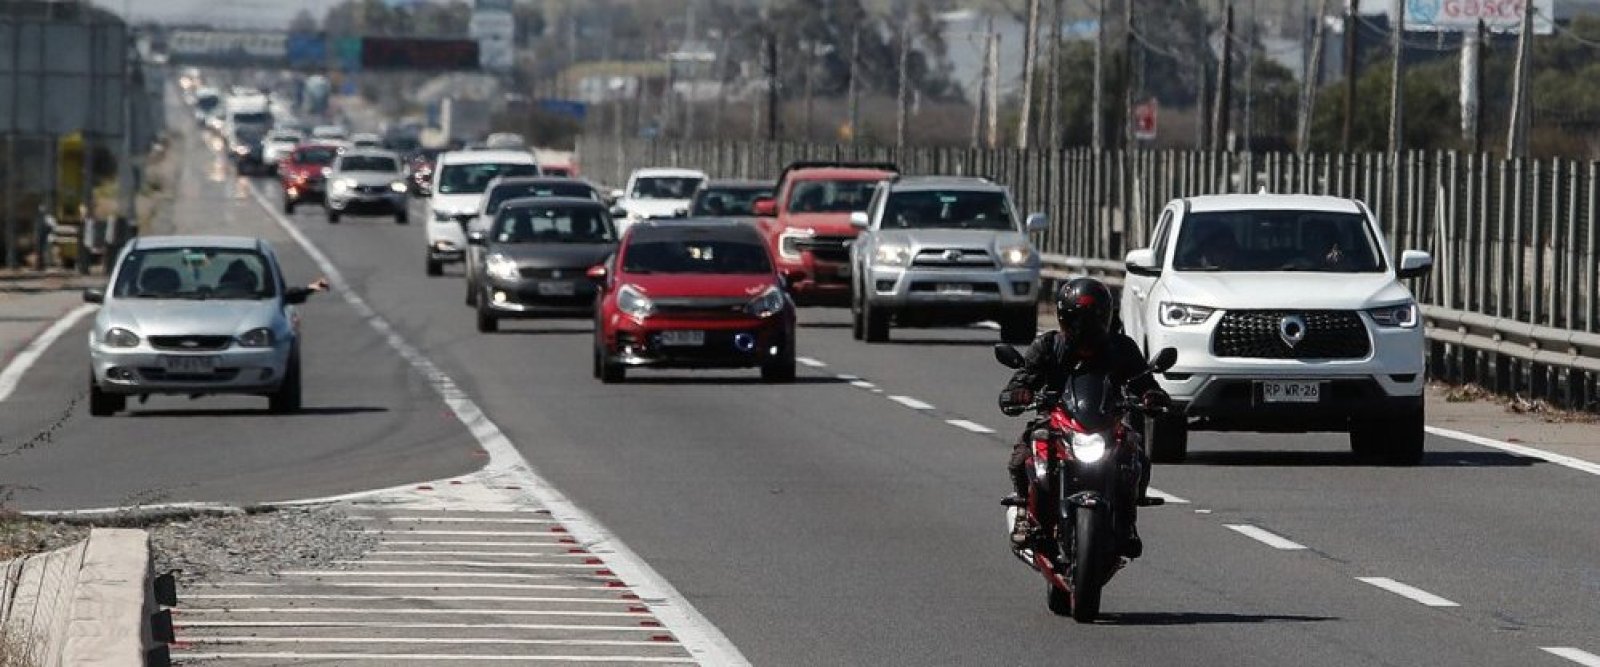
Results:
424 487
629 596
591 561
661 638
615 584
605 573
639 609
558 529
649 624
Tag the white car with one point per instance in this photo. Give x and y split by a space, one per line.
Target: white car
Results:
330 133
1288 316
459 179
654 193
278 145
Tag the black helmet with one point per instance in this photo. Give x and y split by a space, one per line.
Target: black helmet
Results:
1084 311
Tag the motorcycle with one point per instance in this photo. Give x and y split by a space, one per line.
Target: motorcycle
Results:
1085 479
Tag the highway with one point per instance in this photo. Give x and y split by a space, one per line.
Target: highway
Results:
852 517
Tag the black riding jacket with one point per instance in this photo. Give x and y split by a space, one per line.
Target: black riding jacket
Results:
1045 367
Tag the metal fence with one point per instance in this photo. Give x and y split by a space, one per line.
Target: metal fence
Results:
1511 304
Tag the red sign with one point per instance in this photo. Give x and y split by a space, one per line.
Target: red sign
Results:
419 54
1144 120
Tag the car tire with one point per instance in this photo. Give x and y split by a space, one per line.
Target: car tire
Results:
1019 326
596 356
1390 442
858 326
781 369
103 403
401 218
875 323
612 372
472 291
333 217
287 398
1167 438
487 322
435 268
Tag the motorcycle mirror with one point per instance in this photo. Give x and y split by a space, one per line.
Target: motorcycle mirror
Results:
1009 356
1165 359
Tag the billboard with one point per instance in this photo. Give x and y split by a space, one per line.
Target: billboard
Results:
418 54
1462 15
496 32
305 50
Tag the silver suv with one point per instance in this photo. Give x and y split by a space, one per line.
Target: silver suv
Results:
944 250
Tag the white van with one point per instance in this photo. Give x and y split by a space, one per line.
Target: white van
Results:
459 180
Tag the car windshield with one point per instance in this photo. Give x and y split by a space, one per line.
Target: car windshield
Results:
472 179
696 255
714 202
1277 241
327 132
368 163
664 187
195 273
252 118
948 209
831 196
319 156
207 102
505 193
553 224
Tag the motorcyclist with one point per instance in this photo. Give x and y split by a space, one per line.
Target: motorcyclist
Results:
1086 341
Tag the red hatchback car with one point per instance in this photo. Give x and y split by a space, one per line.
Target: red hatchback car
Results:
693 294
303 173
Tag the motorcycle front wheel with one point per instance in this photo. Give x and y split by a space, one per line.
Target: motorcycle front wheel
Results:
1088 555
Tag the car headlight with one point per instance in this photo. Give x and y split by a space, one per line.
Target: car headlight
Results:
261 337
344 184
890 254
241 149
634 303
1088 447
327 171
789 242
769 303
1179 314
120 337
1017 255
501 267
1401 316
398 186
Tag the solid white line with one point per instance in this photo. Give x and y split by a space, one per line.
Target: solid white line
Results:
387 573
461 641
415 626
1265 537
523 554
430 585
1413 593
698 634
912 403
1581 657
1154 492
969 425
420 598
462 563
415 543
428 657
406 612
1552 457
430 519
808 361
465 533
12 375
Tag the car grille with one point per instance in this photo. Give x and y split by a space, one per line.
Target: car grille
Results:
953 258
190 342
157 374
551 274
1329 334
977 288
702 307
830 248
372 189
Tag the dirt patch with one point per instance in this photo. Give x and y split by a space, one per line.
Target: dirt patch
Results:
23 536
1537 408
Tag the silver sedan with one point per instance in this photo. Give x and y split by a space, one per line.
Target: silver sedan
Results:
196 315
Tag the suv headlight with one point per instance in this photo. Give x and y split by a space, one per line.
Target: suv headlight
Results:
398 186
500 266
634 303
1017 255
1088 447
789 242
343 184
769 303
1401 316
1179 314
261 337
443 216
120 337
892 254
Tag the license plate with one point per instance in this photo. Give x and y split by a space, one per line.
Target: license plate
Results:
683 338
557 289
190 365
1291 392
962 289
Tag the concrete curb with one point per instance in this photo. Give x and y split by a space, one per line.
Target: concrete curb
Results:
91 603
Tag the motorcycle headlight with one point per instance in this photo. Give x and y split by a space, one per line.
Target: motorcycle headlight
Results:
1401 316
634 303
789 242
1179 314
890 254
1017 255
500 266
1088 447
261 337
119 337
769 303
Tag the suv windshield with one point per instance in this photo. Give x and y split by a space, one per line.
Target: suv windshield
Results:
948 209
831 196
727 201
505 193
252 118
1277 241
368 163
472 179
318 156
664 187
195 273
692 255
555 224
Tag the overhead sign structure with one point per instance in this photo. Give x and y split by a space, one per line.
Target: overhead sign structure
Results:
228 47
1463 15
418 54
495 29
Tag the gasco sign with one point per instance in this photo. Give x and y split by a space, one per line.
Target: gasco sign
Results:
1458 15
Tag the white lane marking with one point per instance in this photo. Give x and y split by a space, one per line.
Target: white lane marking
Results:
1154 492
430 585
973 426
808 361
1581 657
12 375
429 657
348 611
702 639
414 543
418 626
319 574
1202 511
1411 592
1551 457
458 641
445 519
912 403
463 563
1264 536
863 384
398 598
521 554
464 533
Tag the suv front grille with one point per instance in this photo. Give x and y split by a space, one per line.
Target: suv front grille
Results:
953 258
187 343
830 248
1256 334
701 307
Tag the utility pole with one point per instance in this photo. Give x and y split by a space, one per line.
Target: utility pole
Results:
1471 64
1397 84
902 103
1053 94
1030 64
806 82
1127 78
1313 77
1517 133
993 88
1097 110
1224 107
772 86
982 102
854 94
1352 20
1250 81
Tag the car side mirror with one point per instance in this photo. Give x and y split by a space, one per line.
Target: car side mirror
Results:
1415 264
1008 356
1037 222
1142 262
597 273
765 207
477 237
1166 358
94 295
859 220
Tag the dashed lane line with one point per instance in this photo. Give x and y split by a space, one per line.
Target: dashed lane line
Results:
1409 592
1579 656
808 361
912 403
1170 499
1265 536
968 425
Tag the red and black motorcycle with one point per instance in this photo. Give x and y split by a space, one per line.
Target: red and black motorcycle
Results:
1085 476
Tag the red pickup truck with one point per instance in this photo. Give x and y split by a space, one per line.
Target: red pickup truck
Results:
807 226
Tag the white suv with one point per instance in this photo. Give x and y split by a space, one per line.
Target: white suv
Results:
1288 316
459 179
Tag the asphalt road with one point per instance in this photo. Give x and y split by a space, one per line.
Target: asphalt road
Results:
823 523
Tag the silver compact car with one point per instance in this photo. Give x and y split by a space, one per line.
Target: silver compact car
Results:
195 315
366 181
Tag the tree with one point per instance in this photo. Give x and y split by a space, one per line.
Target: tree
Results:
1430 102
303 21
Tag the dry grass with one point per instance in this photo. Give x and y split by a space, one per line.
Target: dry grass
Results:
1539 408
14 652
